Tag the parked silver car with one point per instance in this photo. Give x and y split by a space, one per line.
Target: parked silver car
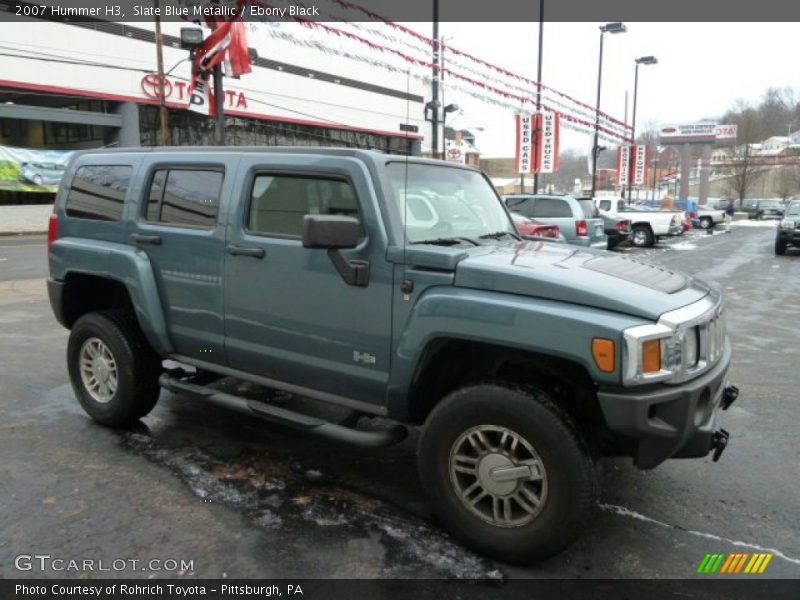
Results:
578 220
42 173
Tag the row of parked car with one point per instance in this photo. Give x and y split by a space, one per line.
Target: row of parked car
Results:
605 222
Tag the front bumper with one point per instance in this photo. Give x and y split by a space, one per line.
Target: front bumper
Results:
669 421
790 236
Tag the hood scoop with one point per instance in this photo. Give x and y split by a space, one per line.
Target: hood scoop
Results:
640 273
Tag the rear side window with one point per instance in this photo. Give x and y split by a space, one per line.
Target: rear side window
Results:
523 206
184 197
552 208
278 203
98 192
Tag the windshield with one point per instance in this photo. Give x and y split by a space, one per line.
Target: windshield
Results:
770 204
793 210
437 202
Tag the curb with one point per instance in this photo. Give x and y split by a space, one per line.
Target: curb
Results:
32 232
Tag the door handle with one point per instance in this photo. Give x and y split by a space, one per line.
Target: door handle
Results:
246 251
146 239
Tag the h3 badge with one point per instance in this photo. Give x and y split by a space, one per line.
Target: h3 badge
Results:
364 357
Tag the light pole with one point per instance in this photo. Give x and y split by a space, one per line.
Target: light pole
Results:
607 28
644 60
539 81
446 110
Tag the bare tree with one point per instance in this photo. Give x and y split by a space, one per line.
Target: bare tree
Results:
788 183
744 173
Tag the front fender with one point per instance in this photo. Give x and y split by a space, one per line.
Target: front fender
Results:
548 327
126 264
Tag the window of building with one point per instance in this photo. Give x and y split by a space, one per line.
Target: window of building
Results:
184 197
71 133
279 202
98 192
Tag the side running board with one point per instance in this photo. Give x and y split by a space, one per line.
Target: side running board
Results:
283 416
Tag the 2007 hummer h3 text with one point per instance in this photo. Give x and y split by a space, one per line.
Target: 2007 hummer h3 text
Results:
396 287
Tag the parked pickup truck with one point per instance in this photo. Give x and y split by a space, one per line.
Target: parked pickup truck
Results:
398 288
703 216
646 225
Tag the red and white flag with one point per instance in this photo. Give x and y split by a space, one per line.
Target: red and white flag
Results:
226 44
547 126
639 167
523 163
623 164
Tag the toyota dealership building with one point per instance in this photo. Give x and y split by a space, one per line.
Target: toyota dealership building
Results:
74 85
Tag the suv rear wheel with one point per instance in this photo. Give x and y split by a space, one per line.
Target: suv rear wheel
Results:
112 368
507 472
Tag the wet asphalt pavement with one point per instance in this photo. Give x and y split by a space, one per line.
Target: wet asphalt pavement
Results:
241 498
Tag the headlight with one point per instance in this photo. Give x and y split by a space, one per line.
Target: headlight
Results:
683 344
787 224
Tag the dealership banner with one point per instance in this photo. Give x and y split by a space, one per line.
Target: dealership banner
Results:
639 166
30 170
547 125
623 164
523 163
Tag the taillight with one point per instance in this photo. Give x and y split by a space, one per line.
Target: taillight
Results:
623 225
551 232
52 230
581 228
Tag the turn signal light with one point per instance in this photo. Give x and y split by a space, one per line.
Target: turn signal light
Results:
651 356
604 354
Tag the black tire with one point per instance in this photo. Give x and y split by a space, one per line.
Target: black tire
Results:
572 488
137 367
642 236
706 223
780 246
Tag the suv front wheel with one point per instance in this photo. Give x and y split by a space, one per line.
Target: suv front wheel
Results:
507 472
112 368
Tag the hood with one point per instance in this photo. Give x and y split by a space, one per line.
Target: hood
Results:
580 276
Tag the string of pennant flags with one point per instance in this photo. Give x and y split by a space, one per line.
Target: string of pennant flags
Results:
395 47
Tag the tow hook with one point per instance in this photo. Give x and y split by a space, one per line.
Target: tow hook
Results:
719 441
729 396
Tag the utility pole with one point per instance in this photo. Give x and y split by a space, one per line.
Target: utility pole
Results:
219 105
435 83
162 100
539 87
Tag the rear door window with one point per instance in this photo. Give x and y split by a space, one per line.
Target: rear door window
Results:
187 197
98 192
551 208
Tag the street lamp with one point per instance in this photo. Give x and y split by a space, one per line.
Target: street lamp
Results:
644 60
450 108
607 28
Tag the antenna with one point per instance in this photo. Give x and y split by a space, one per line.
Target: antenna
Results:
405 180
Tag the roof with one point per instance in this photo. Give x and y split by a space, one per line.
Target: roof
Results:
369 155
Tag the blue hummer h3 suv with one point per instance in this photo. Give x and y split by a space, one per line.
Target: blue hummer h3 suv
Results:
396 287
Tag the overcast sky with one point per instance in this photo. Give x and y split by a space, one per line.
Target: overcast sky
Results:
703 69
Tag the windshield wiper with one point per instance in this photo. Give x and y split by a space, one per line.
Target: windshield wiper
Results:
448 241
497 235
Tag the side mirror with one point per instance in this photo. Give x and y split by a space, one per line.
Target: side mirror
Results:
331 232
